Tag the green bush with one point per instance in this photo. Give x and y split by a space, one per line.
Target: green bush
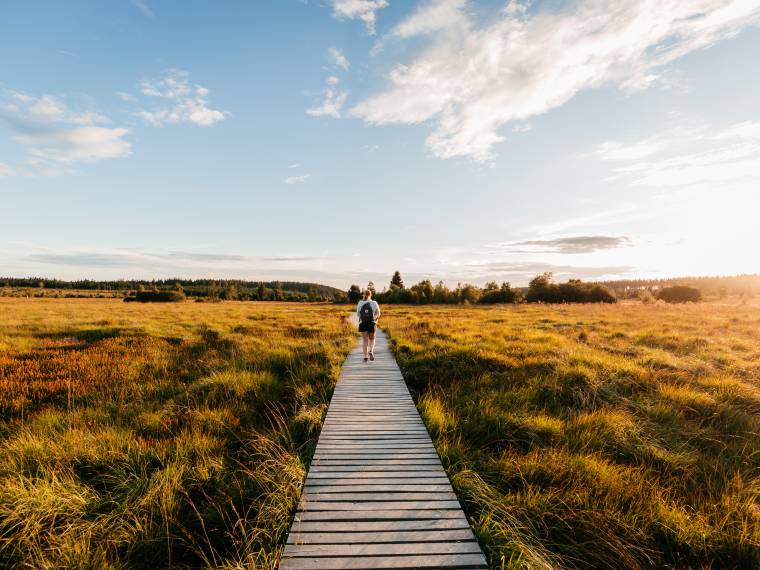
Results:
543 290
156 297
504 294
680 294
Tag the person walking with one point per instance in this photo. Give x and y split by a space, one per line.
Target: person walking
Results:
368 312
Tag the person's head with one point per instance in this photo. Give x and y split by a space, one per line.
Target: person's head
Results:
367 294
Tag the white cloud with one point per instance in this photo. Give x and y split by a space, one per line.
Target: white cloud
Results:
332 102
297 179
186 103
338 58
471 79
143 7
51 109
688 156
6 170
363 10
126 97
80 144
55 135
431 17
294 165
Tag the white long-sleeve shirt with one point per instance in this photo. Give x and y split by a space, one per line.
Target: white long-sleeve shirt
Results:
375 308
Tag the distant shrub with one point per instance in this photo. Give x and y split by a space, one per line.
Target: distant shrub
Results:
680 294
543 290
156 297
504 294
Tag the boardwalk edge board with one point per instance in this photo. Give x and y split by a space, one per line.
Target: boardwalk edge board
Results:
376 495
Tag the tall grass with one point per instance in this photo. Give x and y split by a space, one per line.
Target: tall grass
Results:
620 436
154 437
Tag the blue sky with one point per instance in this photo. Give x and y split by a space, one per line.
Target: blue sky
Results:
339 140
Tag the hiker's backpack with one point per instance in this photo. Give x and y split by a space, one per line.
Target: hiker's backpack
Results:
366 314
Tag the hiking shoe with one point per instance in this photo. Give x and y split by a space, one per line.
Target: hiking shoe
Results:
372 356
365 359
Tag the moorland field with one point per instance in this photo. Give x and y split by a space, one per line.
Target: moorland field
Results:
595 436
576 436
157 436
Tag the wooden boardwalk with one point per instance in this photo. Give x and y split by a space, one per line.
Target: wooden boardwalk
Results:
376 495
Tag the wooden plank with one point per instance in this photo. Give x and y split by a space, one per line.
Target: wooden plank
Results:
449 535
351 472
372 562
358 482
360 549
424 464
311 495
379 515
379 505
359 526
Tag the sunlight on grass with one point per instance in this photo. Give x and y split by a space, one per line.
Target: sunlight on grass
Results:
622 436
148 437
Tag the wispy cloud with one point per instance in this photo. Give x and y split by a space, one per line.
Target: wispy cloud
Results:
6 170
572 244
521 272
333 100
338 59
126 97
143 7
183 102
213 257
686 156
138 257
432 16
153 263
53 134
300 179
471 79
363 10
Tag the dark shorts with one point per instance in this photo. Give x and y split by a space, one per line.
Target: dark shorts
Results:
367 327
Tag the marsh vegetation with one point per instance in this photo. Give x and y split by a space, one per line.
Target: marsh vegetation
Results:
624 436
156 436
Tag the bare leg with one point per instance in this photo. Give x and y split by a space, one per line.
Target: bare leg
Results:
365 343
372 342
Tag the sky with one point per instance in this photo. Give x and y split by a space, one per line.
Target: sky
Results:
336 141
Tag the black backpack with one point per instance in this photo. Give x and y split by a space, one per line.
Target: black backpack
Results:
366 314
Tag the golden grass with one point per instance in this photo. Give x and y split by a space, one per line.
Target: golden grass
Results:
149 436
623 436
143 436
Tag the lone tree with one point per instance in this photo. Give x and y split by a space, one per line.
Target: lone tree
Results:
396 281
354 294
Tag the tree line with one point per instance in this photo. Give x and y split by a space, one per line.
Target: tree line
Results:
542 289
199 289
745 285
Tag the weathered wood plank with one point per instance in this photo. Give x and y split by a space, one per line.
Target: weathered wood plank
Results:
365 526
312 494
448 535
373 562
302 550
396 483
379 514
379 505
